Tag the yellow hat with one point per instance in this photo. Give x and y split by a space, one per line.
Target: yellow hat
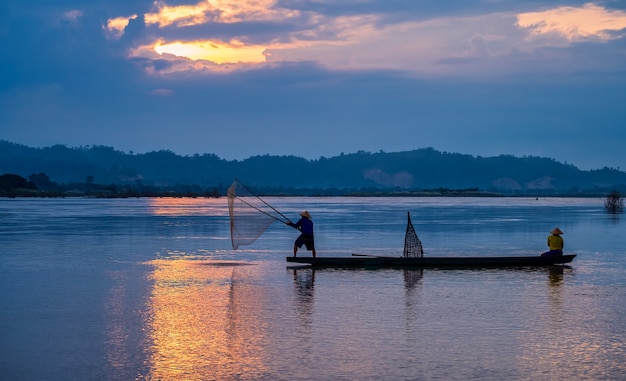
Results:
556 231
305 214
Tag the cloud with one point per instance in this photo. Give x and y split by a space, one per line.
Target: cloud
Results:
218 52
72 15
590 22
115 27
217 11
162 92
485 43
347 75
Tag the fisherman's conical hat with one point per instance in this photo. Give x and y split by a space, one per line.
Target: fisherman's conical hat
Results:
556 231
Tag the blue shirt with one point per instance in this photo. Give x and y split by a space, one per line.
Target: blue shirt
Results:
305 225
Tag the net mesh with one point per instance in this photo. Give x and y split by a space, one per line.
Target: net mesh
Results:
412 244
250 216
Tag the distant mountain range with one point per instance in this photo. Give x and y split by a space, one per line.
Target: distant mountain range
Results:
421 169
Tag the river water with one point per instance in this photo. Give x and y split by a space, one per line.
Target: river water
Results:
150 289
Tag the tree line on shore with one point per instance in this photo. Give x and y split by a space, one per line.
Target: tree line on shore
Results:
40 185
100 171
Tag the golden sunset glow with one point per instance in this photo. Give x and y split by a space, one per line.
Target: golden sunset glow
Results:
214 51
590 21
203 322
354 41
182 15
187 206
219 11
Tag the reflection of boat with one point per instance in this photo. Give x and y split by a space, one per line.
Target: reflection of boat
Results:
432 262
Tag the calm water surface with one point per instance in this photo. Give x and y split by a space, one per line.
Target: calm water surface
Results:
150 289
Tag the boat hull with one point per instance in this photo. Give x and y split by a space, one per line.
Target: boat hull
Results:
432 262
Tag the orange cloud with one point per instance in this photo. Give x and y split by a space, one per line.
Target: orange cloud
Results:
115 27
220 11
477 43
215 51
575 24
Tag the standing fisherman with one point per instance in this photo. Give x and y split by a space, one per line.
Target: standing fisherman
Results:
305 225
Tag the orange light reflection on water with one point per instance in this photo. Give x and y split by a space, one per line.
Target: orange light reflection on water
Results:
204 322
189 206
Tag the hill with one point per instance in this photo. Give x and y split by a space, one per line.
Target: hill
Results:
420 169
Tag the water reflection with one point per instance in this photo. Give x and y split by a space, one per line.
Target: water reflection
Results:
412 278
205 321
304 285
556 275
304 282
412 282
118 332
187 206
614 217
123 340
69 278
556 350
555 293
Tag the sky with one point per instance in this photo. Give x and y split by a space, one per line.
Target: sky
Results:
318 78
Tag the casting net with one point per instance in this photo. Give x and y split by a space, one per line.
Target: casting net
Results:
412 244
250 216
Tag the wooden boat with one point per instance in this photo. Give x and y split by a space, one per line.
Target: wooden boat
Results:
413 257
365 261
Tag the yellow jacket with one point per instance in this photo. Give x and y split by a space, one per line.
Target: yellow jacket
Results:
555 242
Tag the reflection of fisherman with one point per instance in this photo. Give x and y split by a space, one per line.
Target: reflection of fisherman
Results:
305 225
555 243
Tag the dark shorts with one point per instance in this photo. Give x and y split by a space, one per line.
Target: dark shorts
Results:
552 253
306 240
